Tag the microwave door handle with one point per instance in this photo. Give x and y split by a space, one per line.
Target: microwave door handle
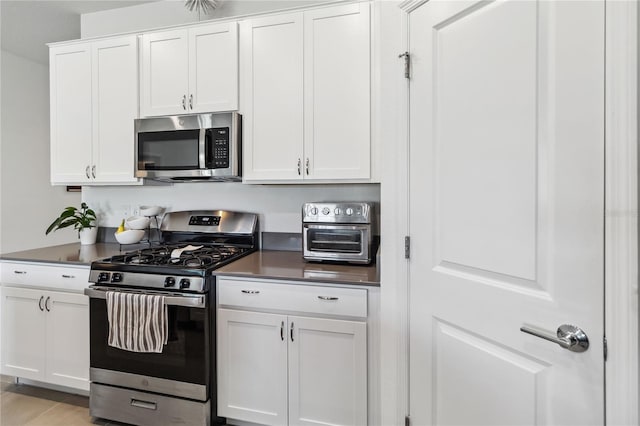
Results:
201 149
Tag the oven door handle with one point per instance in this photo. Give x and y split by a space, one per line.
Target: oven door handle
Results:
191 301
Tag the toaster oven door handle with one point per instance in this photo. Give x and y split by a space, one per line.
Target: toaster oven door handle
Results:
191 301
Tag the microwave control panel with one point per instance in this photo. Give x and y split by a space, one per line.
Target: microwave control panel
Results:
219 154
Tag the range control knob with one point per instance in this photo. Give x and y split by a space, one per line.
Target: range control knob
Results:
185 283
169 282
116 277
313 211
104 276
326 211
349 211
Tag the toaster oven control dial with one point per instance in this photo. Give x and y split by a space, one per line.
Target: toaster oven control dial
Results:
349 211
184 283
314 211
169 282
337 211
326 211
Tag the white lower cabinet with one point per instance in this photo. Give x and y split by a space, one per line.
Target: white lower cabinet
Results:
279 369
45 333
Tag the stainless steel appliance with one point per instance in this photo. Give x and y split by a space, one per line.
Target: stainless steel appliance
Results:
177 386
339 232
189 147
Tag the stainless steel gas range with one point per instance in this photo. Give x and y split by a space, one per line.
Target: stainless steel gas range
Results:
178 385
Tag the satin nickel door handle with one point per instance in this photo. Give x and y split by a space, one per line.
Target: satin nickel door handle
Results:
299 167
20 272
328 298
143 404
93 171
86 172
40 303
307 166
68 276
46 304
567 336
291 331
251 291
184 102
282 331
191 101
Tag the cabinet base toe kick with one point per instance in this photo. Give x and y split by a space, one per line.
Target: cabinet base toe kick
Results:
144 408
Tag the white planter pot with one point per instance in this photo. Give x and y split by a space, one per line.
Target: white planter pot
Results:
88 235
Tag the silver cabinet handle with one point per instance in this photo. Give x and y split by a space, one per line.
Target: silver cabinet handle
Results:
291 331
568 336
93 171
328 298
299 166
251 291
86 172
46 304
307 166
20 272
143 404
68 276
184 102
191 101
40 303
282 331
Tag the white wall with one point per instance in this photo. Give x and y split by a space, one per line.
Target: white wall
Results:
173 12
279 206
27 200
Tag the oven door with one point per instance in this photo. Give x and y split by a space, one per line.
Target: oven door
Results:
183 368
349 243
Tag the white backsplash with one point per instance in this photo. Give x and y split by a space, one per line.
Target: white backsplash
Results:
279 206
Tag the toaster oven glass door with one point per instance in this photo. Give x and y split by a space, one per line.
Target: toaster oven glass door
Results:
337 242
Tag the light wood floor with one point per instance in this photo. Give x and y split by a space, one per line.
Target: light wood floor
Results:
24 405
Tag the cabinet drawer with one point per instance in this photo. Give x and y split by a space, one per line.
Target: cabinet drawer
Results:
292 297
71 278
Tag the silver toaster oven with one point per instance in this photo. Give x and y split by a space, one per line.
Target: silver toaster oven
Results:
339 232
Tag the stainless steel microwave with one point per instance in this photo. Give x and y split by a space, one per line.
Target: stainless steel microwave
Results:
189 147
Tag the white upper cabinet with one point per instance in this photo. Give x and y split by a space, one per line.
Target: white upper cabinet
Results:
93 104
190 70
337 104
71 128
273 97
306 95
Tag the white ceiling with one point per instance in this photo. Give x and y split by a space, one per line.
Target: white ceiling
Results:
27 25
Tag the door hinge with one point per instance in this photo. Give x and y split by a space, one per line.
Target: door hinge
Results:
407 63
407 421
407 247
605 348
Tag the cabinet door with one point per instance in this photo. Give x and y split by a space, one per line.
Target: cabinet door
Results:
252 366
327 372
70 90
164 74
272 97
115 106
337 93
23 333
67 328
213 68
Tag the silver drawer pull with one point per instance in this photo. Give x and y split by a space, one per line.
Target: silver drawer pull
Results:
143 404
20 272
68 276
251 291
327 298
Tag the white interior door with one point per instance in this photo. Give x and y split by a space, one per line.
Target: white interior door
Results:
506 211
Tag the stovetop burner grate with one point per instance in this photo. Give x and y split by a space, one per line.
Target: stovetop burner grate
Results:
200 258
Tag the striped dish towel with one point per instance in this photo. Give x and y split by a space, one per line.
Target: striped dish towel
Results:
137 322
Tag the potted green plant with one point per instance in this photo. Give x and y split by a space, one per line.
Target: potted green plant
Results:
82 219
